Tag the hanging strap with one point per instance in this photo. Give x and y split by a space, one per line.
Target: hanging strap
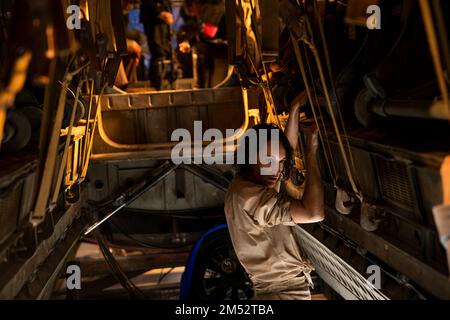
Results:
332 170
63 164
331 78
310 44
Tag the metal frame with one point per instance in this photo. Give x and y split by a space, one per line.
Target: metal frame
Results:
167 99
425 276
47 258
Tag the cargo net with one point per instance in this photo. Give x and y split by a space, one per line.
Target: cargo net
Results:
337 273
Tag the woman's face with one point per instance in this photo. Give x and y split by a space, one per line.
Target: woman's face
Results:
276 165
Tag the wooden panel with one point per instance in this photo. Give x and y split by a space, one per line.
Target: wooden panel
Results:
225 116
120 126
156 120
141 120
9 211
186 118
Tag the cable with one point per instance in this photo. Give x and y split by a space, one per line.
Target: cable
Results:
308 91
264 84
355 247
174 215
113 245
146 244
313 49
355 57
161 277
433 44
117 271
324 137
331 76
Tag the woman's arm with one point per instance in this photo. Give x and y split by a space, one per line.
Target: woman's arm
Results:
291 129
311 207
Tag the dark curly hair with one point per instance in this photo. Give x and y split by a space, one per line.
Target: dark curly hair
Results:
245 169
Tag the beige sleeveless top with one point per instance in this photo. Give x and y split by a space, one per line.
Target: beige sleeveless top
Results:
260 226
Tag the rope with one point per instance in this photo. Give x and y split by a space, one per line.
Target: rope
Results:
90 137
272 114
265 84
63 164
331 76
308 92
313 49
87 131
259 48
333 172
434 49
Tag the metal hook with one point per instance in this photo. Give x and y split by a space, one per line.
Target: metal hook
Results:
344 203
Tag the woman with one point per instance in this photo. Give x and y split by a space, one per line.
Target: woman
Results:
260 214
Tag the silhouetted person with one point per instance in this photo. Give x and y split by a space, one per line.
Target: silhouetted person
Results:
156 16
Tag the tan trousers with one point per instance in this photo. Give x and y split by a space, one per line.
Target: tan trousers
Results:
301 293
283 296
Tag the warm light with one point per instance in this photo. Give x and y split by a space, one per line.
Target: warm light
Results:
50 53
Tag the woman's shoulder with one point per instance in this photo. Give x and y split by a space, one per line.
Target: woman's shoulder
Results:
244 191
239 184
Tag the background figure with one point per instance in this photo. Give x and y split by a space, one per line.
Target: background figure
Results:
203 35
156 16
138 62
